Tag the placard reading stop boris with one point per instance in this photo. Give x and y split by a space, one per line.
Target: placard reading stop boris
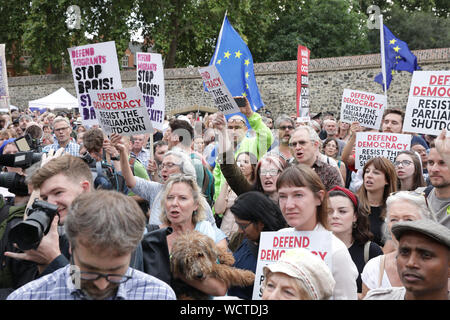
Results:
369 145
273 245
122 111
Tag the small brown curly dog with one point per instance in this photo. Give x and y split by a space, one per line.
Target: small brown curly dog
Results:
195 256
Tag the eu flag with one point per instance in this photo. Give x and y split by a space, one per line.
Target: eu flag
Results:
234 62
398 57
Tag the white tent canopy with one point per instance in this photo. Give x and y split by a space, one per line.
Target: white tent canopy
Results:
58 99
7 110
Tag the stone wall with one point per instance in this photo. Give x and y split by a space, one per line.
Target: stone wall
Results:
276 81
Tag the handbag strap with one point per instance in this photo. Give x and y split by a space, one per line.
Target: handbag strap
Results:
366 251
382 262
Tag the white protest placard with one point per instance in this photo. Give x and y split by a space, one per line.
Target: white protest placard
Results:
4 92
150 79
364 107
369 145
221 95
94 67
122 111
272 246
428 108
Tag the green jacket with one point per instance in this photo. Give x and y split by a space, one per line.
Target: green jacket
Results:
258 145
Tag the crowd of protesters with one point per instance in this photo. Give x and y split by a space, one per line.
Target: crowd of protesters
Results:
230 179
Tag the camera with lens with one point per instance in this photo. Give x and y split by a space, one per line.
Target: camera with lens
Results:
29 233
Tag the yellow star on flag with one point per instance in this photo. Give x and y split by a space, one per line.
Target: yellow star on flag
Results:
219 61
247 62
392 41
244 94
246 85
238 54
397 48
246 75
392 72
227 54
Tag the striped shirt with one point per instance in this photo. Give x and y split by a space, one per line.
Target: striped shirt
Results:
59 286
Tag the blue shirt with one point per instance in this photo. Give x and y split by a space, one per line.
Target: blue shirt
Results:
71 148
59 286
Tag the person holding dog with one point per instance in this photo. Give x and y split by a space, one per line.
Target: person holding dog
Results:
183 211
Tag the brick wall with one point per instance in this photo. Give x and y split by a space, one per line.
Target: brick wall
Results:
276 81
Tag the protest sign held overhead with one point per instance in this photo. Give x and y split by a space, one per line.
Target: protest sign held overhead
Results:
428 108
273 245
364 107
303 84
369 145
122 111
221 95
94 67
4 94
150 79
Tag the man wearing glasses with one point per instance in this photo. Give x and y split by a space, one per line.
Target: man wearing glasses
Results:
62 130
285 126
102 239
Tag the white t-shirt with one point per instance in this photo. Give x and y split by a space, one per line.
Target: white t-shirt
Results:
343 268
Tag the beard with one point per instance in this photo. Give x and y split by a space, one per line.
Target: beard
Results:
91 290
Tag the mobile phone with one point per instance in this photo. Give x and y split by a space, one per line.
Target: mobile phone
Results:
240 101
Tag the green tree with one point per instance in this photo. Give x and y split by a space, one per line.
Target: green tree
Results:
328 28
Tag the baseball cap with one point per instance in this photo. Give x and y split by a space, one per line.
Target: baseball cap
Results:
427 227
311 270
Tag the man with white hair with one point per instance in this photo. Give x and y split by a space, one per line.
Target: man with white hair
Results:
62 130
331 127
305 148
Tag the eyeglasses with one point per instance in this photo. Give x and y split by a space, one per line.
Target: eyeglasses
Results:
300 143
93 276
404 163
113 278
243 226
272 172
286 127
234 127
168 165
61 129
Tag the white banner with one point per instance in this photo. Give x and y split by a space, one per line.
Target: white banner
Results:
122 111
94 67
428 108
369 145
4 92
363 107
216 87
272 245
150 79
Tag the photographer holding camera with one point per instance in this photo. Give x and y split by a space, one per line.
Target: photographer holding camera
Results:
60 181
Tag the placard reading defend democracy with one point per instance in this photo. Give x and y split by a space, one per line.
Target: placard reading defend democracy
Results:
150 79
369 145
94 67
272 246
364 107
222 97
428 108
122 111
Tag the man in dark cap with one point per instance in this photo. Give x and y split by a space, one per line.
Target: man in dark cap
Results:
423 262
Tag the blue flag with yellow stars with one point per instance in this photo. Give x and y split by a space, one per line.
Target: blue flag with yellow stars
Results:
234 62
398 57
